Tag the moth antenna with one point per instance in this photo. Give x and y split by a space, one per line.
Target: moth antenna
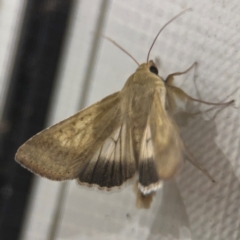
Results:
188 9
116 44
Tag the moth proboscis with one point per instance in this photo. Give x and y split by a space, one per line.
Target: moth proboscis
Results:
127 133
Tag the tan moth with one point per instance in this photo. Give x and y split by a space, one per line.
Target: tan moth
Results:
131 132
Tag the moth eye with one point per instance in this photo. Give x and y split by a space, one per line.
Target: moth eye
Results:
154 70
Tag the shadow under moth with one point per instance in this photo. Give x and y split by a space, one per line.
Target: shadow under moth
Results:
129 133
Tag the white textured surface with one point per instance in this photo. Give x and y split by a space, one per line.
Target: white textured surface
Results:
193 208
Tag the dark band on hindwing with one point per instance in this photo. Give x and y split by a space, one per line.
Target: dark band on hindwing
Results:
148 173
106 173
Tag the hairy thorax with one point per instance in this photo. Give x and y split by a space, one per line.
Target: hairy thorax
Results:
137 101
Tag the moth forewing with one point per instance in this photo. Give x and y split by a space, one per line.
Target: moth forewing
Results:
61 151
167 142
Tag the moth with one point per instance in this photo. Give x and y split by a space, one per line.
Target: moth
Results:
129 133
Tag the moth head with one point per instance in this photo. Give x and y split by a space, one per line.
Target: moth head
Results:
149 67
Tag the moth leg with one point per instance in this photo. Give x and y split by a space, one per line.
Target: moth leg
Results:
170 78
211 109
194 162
180 93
